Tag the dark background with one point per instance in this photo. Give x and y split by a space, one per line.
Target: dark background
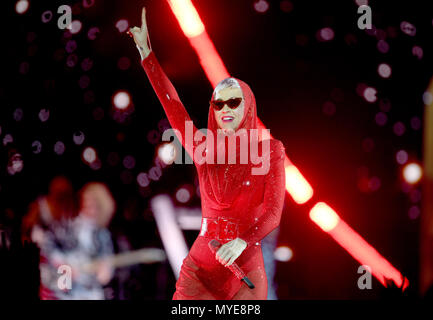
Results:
292 75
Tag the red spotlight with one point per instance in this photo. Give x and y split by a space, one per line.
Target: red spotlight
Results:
365 254
324 216
297 186
187 16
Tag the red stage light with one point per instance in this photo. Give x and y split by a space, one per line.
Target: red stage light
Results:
324 216
296 185
365 254
187 17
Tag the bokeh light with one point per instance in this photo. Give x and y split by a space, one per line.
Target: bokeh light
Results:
71 60
89 155
412 173
261 6
15 163
84 81
361 2
92 33
46 16
76 26
384 70
408 28
122 100
18 114
370 94
122 25
78 137
155 173
88 3
59 148
87 64
129 162
7 139
401 157
382 46
36 147
22 6
183 195
286 6
143 179
399 128
283 253
167 153
414 212
325 34
427 98
418 52
381 118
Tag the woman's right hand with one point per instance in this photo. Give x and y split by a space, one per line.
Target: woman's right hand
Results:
140 36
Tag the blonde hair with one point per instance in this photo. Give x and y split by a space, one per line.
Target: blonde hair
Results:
226 83
105 202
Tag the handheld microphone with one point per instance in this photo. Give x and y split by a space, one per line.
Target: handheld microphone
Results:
214 245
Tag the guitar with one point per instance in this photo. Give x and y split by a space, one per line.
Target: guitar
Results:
125 259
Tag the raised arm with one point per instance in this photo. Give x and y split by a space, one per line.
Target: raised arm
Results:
167 95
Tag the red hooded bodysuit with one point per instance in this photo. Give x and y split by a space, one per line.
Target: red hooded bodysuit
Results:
227 191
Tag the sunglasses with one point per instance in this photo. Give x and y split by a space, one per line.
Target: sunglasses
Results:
232 103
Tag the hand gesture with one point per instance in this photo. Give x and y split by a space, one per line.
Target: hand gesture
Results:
140 35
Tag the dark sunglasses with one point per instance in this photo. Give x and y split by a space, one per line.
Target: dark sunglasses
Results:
232 103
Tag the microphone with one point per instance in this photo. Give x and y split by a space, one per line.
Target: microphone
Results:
214 245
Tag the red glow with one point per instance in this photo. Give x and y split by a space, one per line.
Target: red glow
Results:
187 16
365 254
210 60
296 185
324 216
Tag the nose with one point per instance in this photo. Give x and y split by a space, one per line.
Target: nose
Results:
225 109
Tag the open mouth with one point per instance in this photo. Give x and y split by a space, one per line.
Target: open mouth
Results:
227 118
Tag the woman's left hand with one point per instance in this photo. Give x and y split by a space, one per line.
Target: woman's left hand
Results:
230 251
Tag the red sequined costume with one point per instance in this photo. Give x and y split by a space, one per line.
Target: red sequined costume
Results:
231 194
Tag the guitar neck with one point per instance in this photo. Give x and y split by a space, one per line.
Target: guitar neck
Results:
125 259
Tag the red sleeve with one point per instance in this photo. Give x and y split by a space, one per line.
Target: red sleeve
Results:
167 95
273 199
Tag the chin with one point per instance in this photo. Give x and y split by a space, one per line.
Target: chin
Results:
227 128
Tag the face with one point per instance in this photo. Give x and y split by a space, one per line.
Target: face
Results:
227 118
89 206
